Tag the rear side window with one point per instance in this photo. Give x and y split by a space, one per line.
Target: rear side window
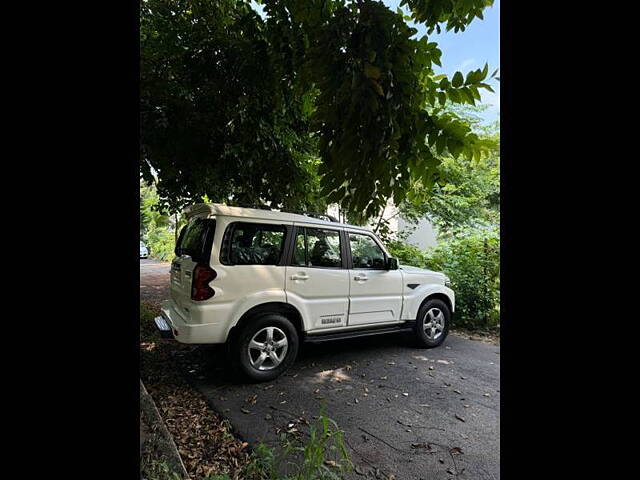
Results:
253 244
196 239
317 247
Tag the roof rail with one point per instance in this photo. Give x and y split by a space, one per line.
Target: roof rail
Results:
253 205
319 215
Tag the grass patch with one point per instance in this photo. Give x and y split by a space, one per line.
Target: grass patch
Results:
319 454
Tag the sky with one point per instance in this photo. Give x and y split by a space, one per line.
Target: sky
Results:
471 49
468 50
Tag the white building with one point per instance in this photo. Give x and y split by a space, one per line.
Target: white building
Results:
420 234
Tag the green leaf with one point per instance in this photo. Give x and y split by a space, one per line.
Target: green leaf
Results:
457 80
486 87
454 96
471 76
485 70
469 95
371 71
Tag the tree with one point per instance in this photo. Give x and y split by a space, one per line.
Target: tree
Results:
466 193
156 228
321 101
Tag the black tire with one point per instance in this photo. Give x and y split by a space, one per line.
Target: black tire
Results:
257 325
435 306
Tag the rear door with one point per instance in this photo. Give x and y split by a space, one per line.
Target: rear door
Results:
317 279
194 246
375 292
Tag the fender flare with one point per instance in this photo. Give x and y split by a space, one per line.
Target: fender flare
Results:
416 298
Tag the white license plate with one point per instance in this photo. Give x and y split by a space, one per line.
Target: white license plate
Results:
162 323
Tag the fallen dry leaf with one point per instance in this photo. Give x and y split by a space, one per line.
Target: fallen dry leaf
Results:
422 445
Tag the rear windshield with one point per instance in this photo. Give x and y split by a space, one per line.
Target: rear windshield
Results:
196 239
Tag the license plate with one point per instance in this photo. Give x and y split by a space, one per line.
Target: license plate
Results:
162 324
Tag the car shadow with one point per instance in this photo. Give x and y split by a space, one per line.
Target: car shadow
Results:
211 364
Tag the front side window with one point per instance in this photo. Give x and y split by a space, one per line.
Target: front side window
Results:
317 247
256 244
365 252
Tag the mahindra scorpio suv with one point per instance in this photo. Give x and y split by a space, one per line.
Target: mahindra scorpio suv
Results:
262 281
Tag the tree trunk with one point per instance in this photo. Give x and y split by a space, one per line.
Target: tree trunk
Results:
175 233
380 220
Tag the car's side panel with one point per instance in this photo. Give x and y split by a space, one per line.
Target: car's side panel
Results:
322 299
321 294
247 303
375 295
413 298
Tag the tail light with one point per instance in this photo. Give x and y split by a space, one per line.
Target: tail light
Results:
200 289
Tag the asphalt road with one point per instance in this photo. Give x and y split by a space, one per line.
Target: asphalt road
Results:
407 412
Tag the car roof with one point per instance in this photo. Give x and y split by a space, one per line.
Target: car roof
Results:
217 209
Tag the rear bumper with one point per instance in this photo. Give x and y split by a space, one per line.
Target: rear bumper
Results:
190 333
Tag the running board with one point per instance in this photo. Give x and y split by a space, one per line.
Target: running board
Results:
327 337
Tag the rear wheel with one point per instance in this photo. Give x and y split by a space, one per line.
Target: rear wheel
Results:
266 347
432 324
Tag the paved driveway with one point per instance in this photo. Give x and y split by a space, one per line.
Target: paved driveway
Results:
407 412
154 279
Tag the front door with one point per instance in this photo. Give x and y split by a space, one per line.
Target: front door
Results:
317 281
375 293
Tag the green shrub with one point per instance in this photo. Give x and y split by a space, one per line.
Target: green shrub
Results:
407 254
472 262
161 243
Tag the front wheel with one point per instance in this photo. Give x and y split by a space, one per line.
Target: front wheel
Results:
266 347
432 324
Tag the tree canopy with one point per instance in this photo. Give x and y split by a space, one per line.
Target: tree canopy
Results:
319 101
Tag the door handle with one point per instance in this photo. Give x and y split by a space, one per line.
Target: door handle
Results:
360 278
300 276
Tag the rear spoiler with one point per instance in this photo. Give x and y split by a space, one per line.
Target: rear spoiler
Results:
198 210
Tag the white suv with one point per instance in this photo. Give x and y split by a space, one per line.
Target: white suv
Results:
263 281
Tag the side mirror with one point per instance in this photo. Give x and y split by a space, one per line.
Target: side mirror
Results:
392 263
